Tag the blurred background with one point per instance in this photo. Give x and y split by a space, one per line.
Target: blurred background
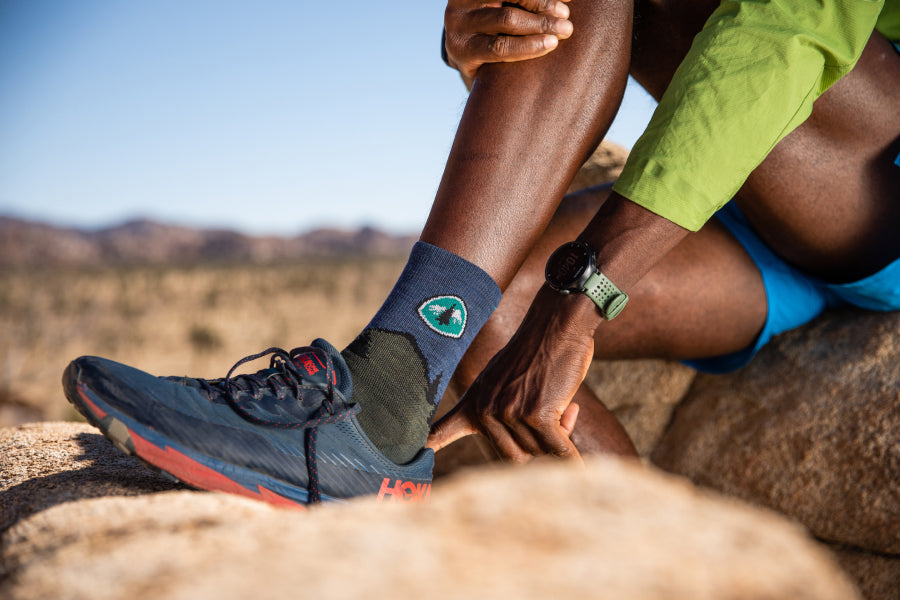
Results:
265 117
185 183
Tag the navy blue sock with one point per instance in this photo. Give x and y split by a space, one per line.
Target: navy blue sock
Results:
403 360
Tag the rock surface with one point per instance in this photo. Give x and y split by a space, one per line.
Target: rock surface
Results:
811 428
603 166
876 575
549 530
45 464
642 394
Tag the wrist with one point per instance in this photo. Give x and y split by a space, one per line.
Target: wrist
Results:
572 269
569 314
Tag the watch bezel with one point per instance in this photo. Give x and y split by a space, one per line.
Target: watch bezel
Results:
582 258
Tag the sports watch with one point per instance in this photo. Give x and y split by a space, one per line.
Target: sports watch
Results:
572 268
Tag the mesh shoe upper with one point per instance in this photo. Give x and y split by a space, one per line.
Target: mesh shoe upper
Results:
284 423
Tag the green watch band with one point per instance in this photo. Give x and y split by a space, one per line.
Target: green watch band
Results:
604 293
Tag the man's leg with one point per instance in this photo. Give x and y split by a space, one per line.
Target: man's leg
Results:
526 129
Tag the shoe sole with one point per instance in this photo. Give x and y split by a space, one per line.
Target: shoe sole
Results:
174 461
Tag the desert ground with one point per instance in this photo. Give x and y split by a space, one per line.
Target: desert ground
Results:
174 320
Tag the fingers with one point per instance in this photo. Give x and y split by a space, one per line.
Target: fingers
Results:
517 22
521 444
515 441
505 48
454 425
561 446
547 7
490 34
507 447
520 438
553 437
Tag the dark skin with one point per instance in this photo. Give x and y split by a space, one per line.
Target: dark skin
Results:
827 199
530 31
504 181
526 129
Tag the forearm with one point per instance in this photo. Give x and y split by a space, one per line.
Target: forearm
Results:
629 240
526 129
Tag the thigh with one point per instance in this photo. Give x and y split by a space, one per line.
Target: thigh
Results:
827 198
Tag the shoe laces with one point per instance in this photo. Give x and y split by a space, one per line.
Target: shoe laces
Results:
283 370
283 373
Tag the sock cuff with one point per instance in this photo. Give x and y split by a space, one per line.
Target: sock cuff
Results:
439 303
478 283
402 362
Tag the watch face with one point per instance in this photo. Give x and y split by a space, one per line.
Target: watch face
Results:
567 267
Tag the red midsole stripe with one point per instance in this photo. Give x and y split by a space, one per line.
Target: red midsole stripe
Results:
199 475
93 407
189 470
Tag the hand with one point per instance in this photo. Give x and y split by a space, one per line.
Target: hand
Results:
521 402
481 31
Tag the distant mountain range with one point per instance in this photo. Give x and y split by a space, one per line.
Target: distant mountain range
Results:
27 243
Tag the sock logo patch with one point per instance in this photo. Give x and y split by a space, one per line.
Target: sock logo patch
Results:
446 315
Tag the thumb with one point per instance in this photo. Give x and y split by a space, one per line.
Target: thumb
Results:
568 418
454 425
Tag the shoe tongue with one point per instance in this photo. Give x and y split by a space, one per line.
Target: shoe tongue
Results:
344 383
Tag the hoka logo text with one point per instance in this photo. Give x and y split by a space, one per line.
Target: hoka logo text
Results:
404 491
308 364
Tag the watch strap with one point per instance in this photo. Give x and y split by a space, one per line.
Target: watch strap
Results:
604 293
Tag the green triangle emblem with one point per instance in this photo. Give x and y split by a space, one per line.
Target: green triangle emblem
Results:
446 315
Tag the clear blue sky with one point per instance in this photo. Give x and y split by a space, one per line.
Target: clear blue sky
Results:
266 117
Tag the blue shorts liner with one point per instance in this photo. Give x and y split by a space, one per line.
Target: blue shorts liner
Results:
793 297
